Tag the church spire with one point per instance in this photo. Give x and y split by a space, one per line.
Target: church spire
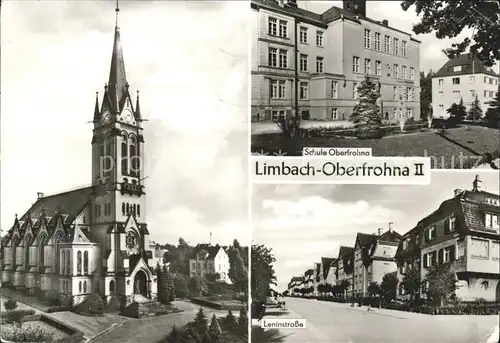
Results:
117 85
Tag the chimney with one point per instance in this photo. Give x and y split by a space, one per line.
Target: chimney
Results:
39 195
210 243
390 226
379 231
385 22
476 185
457 191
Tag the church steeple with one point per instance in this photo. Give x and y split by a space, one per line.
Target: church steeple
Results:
96 109
117 84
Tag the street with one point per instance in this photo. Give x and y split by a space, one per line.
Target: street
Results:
156 328
329 322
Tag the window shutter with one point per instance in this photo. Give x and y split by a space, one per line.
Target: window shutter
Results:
452 253
441 256
425 261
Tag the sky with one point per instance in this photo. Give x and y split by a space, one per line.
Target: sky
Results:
431 55
192 73
303 223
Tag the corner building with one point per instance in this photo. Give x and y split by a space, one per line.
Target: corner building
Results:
309 64
93 239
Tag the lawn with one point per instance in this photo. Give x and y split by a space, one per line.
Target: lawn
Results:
444 153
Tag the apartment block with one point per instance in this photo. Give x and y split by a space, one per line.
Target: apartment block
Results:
464 232
466 78
346 268
207 259
374 256
310 64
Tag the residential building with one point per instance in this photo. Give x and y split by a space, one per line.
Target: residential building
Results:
463 231
93 239
346 268
326 262
309 280
208 259
294 284
317 277
309 64
464 77
374 256
331 278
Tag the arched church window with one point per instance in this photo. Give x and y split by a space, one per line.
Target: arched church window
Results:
108 156
68 262
79 287
41 250
79 262
86 262
134 170
112 286
63 262
138 210
128 209
84 286
123 208
133 209
124 156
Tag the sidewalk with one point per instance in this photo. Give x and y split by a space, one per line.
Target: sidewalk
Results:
34 302
494 337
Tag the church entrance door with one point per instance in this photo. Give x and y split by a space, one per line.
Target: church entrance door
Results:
140 283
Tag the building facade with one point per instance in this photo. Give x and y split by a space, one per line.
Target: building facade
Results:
93 239
345 268
374 257
309 64
210 260
463 232
466 78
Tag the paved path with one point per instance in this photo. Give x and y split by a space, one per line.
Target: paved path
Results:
329 322
154 329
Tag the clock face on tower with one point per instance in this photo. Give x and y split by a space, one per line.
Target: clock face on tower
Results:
106 117
127 116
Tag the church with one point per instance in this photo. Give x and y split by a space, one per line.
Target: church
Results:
93 239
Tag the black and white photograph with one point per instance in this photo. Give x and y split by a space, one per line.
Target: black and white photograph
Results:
373 263
403 78
124 136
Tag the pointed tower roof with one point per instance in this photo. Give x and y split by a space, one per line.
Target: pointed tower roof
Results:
96 109
117 84
137 108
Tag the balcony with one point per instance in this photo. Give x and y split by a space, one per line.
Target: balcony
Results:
131 189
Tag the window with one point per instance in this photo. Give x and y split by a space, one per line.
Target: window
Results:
123 208
491 81
283 58
404 48
387 48
457 68
377 41
472 79
273 57
283 29
455 81
405 243
447 255
495 251
367 39
368 66
277 89
400 113
472 93
409 94
412 73
84 286
409 112
431 233
63 262
378 68
355 64
124 152
395 93
491 221
396 71
450 224
319 64
304 90
272 26
334 89
278 115
335 113
134 158
405 75
396 46
303 35
68 263
86 262
485 79
440 83
79 287
479 249
456 94
484 285
319 38
485 94
354 90
112 286
138 210
441 108
303 62
440 94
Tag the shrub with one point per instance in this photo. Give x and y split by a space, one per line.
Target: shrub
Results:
61 308
113 305
10 304
27 333
93 305
16 316
53 299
